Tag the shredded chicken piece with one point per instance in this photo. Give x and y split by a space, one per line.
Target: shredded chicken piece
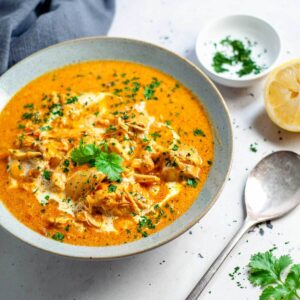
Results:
187 155
144 164
142 178
82 182
120 148
139 123
189 170
26 142
58 181
23 155
60 220
16 169
84 216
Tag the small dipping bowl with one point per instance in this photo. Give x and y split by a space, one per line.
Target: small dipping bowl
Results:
256 34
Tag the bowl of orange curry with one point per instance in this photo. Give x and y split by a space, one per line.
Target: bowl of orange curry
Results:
109 147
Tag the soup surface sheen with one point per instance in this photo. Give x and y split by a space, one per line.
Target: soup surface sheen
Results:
102 153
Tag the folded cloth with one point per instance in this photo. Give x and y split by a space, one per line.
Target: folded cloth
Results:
29 25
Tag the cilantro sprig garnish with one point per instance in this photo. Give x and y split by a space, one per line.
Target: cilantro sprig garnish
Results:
109 163
279 279
85 154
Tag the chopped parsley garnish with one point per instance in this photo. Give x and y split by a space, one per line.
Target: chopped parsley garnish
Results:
168 123
155 135
175 148
136 87
58 236
145 223
111 128
29 105
192 182
66 165
67 228
112 188
177 85
278 278
21 126
125 117
35 118
47 174
117 92
150 89
27 116
198 132
72 100
131 149
44 201
56 109
108 163
148 148
45 128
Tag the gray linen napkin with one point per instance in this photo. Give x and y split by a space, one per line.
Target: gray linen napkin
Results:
29 25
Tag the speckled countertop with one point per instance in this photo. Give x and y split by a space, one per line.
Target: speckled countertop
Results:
170 271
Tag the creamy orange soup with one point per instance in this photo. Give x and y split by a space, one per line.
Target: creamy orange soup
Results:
103 153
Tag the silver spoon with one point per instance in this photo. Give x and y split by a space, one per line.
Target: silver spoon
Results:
272 190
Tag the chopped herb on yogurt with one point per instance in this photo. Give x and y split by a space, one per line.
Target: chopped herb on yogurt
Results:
235 53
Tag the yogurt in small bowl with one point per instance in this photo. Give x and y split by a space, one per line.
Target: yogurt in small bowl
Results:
238 50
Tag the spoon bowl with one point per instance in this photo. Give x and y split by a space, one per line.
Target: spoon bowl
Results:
273 186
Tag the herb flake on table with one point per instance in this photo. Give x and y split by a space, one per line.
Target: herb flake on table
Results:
253 147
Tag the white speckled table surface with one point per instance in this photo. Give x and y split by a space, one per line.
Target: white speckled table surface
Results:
170 271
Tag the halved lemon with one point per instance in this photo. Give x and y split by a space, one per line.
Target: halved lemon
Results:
282 95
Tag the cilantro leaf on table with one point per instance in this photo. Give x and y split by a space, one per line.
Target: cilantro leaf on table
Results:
108 163
276 293
293 277
266 269
268 272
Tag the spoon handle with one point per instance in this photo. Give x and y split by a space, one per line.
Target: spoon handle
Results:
202 283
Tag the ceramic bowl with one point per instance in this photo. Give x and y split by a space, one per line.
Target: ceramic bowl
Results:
263 37
103 48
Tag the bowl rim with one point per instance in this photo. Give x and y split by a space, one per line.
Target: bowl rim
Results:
171 237
237 80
